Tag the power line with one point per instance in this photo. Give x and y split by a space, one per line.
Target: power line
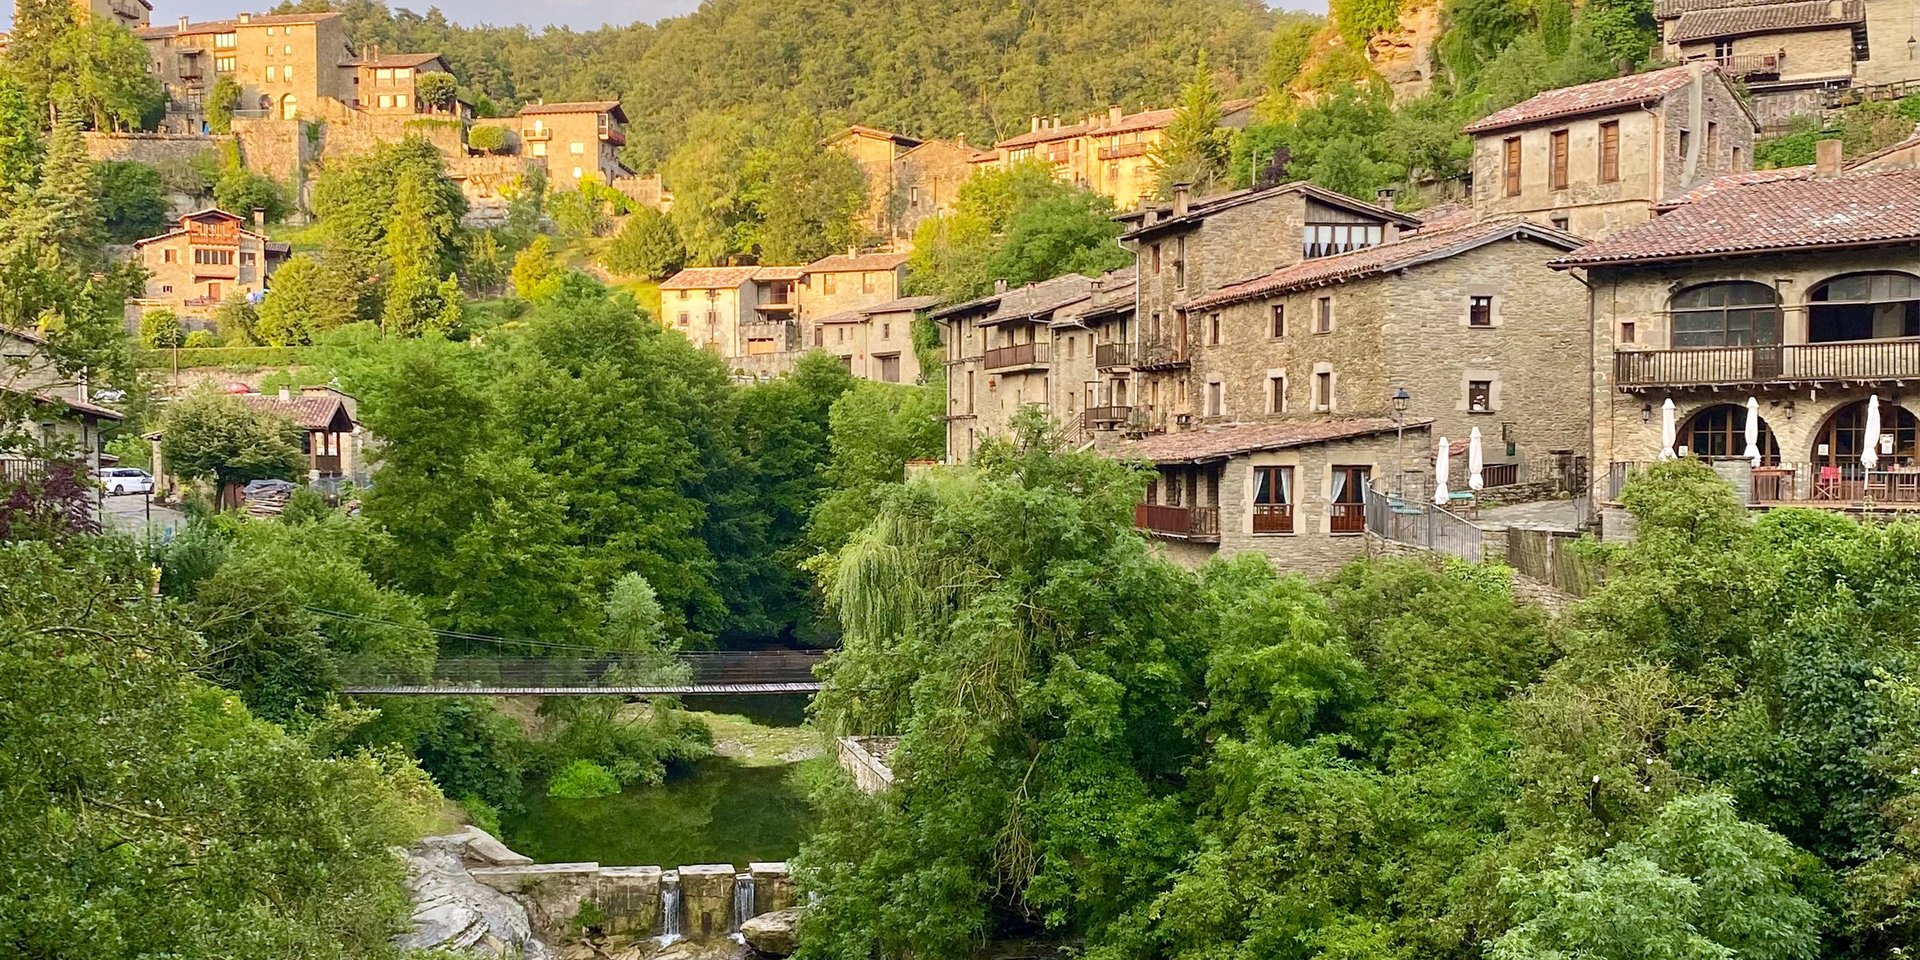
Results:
455 634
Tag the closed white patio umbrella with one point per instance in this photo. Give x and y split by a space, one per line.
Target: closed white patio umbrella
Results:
1440 465
1668 433
1870 442
1753 431
1475 462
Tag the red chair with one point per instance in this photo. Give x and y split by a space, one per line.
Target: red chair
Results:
1827 487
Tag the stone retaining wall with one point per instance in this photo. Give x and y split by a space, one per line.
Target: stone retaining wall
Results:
148 148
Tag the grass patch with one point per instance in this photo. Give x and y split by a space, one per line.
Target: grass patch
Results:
753 745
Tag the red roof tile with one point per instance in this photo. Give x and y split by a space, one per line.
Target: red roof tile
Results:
394 60
227 26
1219 443
842 263
789 272
1742 179
1102 126
1671 9
709 278
1739 21
574 106
325 412
1424 246
81 407
1853 209
1588 98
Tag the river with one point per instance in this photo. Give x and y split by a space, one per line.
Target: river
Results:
722 809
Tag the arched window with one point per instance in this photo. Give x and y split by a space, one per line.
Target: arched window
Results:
266 103
1840 440
289 108
1734 313
1720 433
1864 306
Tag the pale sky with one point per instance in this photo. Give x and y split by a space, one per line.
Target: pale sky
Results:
579 14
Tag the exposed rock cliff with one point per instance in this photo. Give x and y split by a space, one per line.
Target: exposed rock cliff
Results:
454 911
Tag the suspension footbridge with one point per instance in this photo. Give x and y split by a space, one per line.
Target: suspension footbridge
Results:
747 672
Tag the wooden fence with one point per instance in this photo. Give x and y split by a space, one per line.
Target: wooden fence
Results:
1550 557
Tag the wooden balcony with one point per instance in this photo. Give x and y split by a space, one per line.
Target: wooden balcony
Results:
1273 518
1020 356
1184 523
1162 353
1748 65
1861 361
1108 415
1108 355
1346 518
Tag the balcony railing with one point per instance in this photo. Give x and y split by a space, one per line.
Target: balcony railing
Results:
1108 414
1273 518
1018 355
1189 523
1346 517
1112 355
1770 363
1162 353
1752 64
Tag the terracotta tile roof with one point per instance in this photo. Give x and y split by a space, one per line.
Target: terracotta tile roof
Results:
776 272
1444 216
225 26
323 412
1026 302
1738 21
394 60
1588 98
902 305
842 263
1725 181
1671 9
573 106
1848 210
875 132
1219 443
81 407
844 316
709 278
1413 249
1201 209
1101 126
1112 294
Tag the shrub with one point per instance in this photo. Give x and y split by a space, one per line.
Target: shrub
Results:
436 90
221 101
201 339
130 202
242 191
481 813
582 780
647 246
160 329
488 139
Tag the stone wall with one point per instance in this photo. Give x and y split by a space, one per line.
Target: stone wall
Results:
149 148
864 759
560 898
278 148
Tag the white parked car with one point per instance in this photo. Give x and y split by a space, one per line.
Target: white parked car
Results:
125 480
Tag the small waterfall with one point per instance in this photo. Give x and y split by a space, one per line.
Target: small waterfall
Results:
670 932
742 903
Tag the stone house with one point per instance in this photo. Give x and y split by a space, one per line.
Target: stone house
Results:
875 343
1292 490
1000 351
1801 293
574 140
1110 154
877 152
1792 55
1467 318
208 257
64 417
285 64
849 281
389 84
926 180
132 14
711 306
1092 340
1190 248
1596 158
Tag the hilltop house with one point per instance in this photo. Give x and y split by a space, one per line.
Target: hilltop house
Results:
1596 158
573 140
1110 153
209 256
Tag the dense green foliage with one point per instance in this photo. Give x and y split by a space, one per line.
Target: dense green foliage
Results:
213 436
1711 757
130 203
1019 225
87 70
746 184
646 246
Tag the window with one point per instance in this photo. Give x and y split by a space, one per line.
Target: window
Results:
1720 433
1277 393
685 293
868 281
1479 311
1347 498
913 198
1272 499
386 101
1860 52
1180 263
1686 141
576 148
1327 239
1156 257
269 31
1512 147
1629 332
273 74
224 41
1279 327
890 368
1864 306
827 283
1216 399
886 333
288 50
403 73
169 256
819 336
223 64
286 73
1610 152
1559 169
1323 315
1213 329
1713 139
1723 50
383 75
400 100
246 259
1561 223
213 258
1480 396
683 318
1732 314
1739 159
1323 391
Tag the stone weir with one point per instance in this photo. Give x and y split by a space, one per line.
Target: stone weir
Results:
568 903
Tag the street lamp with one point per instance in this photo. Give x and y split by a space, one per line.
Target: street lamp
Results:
1401 400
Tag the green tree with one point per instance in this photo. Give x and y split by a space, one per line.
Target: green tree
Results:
488 138
437 90
242 191
161 328
185 825
222 100
1193 149
707 173
308 298
535 274
875 429
208 435
804 202
1018 225
21 144
1288 49
486 269
130 203
237 321
646 246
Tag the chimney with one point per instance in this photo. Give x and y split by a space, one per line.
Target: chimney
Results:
259 219
1383 197
853 249
373 53
184 22
246 18
1113 113
1000 285
286 395
1826 157
1033 123
1180 191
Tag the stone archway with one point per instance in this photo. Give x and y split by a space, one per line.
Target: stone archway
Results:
1719 432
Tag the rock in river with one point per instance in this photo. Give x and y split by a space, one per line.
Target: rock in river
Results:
453 911
772 933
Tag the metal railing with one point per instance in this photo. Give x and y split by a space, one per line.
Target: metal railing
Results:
1421 525
1112 355
1550 557
1018 355
1186 522
1161 352
775 670
1800 362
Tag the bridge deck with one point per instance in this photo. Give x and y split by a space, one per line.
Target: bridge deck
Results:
476 690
